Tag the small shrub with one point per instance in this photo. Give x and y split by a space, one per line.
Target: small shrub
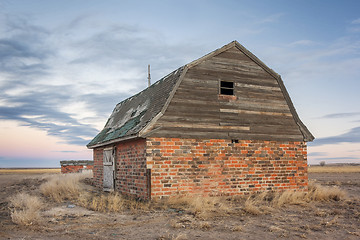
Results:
322 163
25 209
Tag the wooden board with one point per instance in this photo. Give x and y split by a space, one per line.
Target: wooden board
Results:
259 111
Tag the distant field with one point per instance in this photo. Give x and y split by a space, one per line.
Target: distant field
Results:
29 170
334 169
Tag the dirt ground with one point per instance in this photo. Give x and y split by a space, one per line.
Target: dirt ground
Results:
317 220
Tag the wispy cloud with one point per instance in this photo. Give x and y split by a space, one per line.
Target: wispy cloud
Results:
356 21
303 42
66 81
316 154
352 136
271 18
341 115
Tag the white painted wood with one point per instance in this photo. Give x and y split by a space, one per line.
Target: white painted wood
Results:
109 169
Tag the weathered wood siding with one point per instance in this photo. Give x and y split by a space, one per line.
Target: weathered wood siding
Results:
257 111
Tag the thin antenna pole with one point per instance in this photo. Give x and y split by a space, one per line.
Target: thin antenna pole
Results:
149 78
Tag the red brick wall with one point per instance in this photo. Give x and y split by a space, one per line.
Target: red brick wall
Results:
75 168
220 167
98 167
130 168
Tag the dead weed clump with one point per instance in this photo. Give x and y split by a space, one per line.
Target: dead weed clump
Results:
111 202
68 187
25 209
254 204
262 203
320 193
63 187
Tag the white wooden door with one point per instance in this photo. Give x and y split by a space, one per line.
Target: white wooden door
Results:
109 169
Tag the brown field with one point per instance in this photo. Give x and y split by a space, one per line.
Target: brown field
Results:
334 169
48 206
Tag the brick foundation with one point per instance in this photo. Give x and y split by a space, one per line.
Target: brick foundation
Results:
220 167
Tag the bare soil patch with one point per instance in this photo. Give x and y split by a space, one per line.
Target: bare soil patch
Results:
67 220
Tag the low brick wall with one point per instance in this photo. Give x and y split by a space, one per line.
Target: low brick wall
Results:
74 166
220 167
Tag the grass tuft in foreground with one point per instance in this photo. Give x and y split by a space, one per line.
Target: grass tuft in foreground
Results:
25 209
68 187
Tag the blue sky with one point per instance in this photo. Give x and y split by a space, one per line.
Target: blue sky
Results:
65 64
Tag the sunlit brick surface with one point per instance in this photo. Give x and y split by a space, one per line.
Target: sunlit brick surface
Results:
220 167
207 167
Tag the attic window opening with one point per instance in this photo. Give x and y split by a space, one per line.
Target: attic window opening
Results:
226 88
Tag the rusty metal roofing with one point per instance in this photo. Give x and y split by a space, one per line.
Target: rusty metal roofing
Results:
131 115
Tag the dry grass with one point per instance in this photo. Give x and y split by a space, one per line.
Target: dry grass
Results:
288 197
169 236
64 187
251 206
262 203
334 169
255 204
68 187
29 170
25 209
318 192
112 202
201 207
237 229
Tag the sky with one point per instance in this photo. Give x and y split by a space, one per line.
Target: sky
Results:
64 65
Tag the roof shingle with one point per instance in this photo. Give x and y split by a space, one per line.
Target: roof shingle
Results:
131 115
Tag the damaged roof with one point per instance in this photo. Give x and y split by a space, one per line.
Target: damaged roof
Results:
134 113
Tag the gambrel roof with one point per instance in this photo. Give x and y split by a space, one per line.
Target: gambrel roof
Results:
136 116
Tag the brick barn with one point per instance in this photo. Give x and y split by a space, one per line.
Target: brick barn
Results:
221 125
